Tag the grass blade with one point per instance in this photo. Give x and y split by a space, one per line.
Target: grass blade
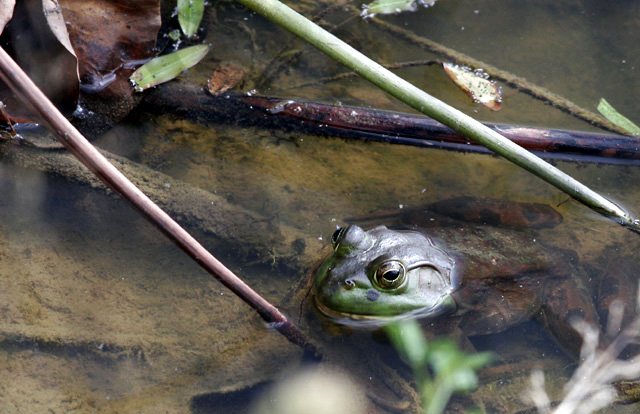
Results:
617 118
167 67
189 15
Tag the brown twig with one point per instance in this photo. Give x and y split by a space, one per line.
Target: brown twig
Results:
13 76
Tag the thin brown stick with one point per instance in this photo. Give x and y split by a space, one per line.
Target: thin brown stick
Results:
13 76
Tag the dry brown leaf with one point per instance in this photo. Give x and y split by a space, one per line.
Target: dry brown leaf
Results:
226 76
53 13
476 85
30 40
111 38
6 12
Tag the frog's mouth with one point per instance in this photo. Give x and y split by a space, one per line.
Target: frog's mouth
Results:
445 305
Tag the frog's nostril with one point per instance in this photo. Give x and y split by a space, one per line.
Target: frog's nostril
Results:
349 284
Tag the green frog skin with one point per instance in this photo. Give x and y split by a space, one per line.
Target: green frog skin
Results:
479 278
383 275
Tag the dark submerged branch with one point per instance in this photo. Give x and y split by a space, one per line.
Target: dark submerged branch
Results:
353 122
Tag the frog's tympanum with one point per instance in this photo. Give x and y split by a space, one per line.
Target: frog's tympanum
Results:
480 278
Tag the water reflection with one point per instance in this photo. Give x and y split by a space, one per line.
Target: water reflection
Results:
94 293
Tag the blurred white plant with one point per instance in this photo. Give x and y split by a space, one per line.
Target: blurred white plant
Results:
590 388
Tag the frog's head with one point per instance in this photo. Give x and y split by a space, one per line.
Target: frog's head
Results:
380 275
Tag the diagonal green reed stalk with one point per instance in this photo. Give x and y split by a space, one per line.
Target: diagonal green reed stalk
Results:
384 79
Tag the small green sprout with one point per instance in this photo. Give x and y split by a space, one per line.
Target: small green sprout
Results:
453 371
174 35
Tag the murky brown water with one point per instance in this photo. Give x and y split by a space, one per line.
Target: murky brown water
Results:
101 314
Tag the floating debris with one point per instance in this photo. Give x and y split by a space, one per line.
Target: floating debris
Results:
392 7
476 84
226 76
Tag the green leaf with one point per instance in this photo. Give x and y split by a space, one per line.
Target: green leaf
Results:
164 68
408 339
453 371
617 118
189 15
455 368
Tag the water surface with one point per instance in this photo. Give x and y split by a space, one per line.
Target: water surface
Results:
100 313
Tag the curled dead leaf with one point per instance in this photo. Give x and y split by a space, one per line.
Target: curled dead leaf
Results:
111 38
35 35
53 13
476 84
6 12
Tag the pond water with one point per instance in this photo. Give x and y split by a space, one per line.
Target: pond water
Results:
102 314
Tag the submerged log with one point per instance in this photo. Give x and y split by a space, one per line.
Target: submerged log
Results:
250 236
192 102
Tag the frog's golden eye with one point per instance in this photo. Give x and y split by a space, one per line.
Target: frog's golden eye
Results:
390 275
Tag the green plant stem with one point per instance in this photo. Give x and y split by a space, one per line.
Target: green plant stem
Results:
436 396
297 24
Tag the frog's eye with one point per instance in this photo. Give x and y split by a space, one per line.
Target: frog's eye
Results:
337 235
390 275
348 240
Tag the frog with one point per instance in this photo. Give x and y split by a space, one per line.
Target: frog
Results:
464 278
